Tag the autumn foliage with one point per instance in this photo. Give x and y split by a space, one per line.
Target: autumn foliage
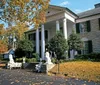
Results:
3 47
31 11
17 31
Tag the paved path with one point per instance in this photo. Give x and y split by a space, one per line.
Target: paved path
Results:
24 77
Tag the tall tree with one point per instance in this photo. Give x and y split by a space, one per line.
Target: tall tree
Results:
3 47
3 39
58 44
26 11
2 31
74 42
24 47
18 31
15 34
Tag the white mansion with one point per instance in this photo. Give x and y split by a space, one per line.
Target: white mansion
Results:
87 24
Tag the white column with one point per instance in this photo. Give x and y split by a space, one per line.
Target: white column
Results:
65 27
42 42
57 26
37 41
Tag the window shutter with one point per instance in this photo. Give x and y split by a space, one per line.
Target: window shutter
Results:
29 36
79 51
40 35
34 36
99 23
77 28
46 34
88 26
90 49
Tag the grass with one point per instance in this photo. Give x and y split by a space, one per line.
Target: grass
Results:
80 69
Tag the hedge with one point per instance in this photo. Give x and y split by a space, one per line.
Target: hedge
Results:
91 56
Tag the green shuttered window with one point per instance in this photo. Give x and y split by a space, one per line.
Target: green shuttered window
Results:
77 28
99 23
83 27
90 46
88 26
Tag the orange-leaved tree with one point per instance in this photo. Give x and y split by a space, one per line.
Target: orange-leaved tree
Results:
17 31
3 47
31 11
3 39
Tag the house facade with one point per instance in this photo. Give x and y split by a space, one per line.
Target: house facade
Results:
87 25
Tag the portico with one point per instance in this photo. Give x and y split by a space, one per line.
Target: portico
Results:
58 19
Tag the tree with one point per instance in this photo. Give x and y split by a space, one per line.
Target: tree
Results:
3 39
18 31
74 42
58 44
23 48
2 31
25 11
15 34
3 47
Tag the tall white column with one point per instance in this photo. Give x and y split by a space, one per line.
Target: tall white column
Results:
65 27
37 41
57 26
42 42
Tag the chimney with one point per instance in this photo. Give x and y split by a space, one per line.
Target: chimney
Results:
97 5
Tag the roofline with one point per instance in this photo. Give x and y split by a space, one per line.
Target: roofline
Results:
87 16
65 8
30 30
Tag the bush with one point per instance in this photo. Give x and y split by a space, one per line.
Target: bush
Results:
36 55
91 56
53 60
1 57
19 59
28 60
31 60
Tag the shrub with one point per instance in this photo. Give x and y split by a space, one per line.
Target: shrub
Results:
19 59
36 55
53 60
28 60
1 57
31 60
91 56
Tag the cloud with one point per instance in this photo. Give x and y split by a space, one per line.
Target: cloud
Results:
64 3
79 10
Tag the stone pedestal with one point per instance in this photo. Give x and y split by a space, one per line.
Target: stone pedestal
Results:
47 67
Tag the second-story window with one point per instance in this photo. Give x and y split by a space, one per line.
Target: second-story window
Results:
83 27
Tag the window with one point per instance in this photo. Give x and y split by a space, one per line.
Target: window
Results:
61 29
46 34
32 36
87 47
99 23
83 27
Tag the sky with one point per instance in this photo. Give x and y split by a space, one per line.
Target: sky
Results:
76 6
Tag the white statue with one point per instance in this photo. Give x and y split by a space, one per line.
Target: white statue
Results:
47 58
11 60
23 59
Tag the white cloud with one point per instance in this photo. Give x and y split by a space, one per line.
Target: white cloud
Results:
64 3
78 10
